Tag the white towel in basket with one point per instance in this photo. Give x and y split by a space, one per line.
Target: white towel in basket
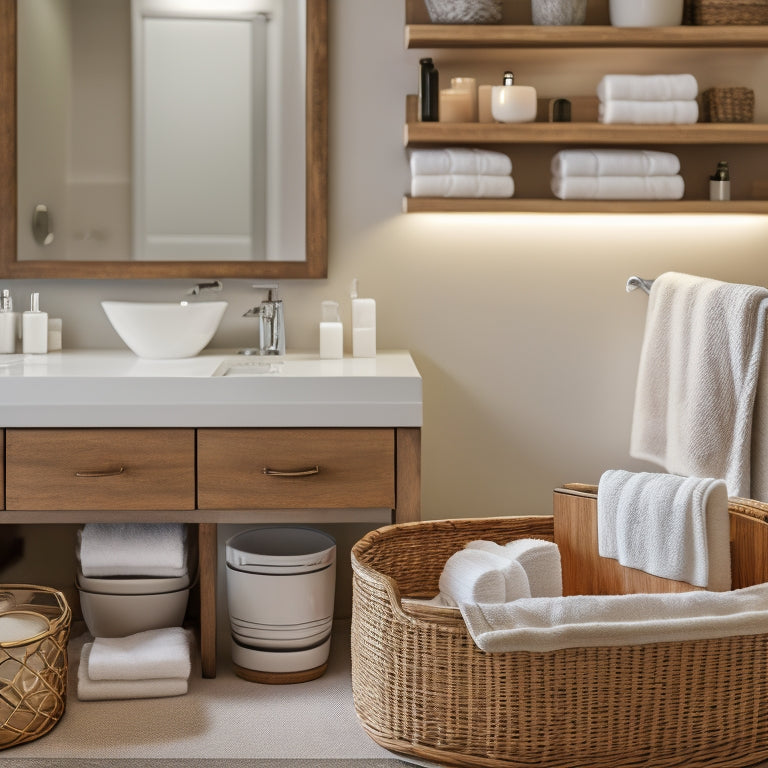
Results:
549 624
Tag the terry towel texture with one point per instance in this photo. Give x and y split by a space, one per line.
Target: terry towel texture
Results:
669 526
618 187
133 549
614 162
154 654
648 112
459 160
462 185
648 87
99 690
549 624
473 575
698 376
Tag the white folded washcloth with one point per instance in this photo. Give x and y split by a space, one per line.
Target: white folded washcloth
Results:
460 160
614 162
477 576
648 87
670 526
548 624
101 690
648 112
697 378
462 185
133 549
618 187
540 560
156 653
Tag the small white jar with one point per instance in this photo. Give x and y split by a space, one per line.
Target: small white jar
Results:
512 103
646 13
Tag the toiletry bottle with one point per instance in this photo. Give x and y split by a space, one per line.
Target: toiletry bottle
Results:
34 333
363 325
7 324
512 103
429 91
331 332
720 183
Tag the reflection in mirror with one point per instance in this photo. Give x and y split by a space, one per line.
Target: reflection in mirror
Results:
189 146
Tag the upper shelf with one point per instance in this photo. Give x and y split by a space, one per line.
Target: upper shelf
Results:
605 36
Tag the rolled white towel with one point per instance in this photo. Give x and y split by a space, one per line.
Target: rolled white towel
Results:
459 185
478 576
540 560
614 162
648 87
648 112
461 160
102 690
156 653
133 549
618 187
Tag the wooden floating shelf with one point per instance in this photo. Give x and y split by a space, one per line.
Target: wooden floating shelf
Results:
605 36
513 205
583 133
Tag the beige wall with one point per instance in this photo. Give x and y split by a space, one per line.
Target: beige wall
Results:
520 325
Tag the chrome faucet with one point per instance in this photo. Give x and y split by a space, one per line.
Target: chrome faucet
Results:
271 323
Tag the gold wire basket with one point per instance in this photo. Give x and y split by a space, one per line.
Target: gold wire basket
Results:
728 105
33 671
713 12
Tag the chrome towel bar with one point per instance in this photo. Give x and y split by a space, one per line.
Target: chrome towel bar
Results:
638 282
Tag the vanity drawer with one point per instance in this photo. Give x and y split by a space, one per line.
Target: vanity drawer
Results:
295 468
100 469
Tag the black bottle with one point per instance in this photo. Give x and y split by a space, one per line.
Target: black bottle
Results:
429 92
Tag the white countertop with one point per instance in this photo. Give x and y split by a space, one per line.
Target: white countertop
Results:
114 388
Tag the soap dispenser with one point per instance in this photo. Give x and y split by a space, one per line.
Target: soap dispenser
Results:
363 325
34 328
512 103
7 324
331 332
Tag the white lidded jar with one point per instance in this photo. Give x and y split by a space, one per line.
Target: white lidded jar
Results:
646 13
512 103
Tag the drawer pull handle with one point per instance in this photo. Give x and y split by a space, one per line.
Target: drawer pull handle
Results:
101 473
298 473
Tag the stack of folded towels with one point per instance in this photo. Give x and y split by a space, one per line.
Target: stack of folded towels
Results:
146 665
616 174
460 172
646 99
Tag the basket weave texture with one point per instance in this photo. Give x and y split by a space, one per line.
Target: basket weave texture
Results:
711 12
33 673
728 105
421 686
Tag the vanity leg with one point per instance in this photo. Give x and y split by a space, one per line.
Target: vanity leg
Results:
207 565
408 475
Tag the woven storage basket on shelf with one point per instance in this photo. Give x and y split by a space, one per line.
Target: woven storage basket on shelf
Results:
33 672
422 687
728 105
712 12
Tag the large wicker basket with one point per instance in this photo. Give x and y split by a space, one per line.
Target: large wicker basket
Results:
33 672
713 12
422 688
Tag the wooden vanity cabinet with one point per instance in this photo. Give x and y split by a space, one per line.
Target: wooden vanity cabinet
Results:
2 469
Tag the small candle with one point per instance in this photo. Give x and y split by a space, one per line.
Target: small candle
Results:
484 113
468 84
455 106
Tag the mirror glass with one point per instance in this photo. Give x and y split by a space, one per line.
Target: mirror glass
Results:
171 137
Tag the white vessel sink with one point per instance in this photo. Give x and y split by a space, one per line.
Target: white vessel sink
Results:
165 330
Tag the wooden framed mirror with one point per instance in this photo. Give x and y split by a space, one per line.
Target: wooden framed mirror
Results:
314 204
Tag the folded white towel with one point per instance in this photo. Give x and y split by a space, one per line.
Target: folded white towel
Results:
101 690
459 160
614 162
648 112
133 549
548 624
477 576
618 187
458 185
666 525
698 376
156 653
540 560
648 87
